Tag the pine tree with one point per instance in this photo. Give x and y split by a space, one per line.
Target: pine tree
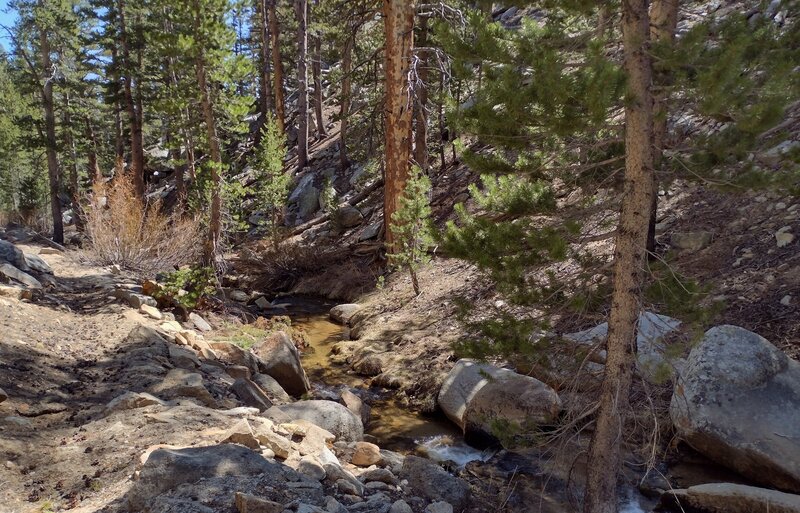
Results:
412 227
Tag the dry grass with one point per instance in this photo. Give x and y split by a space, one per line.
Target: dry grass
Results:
143 239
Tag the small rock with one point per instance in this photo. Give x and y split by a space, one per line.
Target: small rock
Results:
378 485
311 467
370 232
171 326
263 303
237 371
130 401
239 296
273 441
400 506
15 292
3 395
151 311
691 241
379 474
183 358
434 483
246 503
241 434
347 488
354 403
439 507
199 322
786 300
784 237
366 454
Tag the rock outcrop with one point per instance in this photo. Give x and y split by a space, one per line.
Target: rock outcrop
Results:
738 402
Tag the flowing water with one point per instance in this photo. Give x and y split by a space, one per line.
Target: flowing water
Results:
393 426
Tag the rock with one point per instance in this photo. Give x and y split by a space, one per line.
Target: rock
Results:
13 255
15 292
732 498
400 506
775 155
50 251
476 395
132 400
183 358
784 237
134 299
240 433
3 395
738 402
251 394
171 326
36 263
652 329
239 296
233 354
370 365
238 371
378 474
151 311
165 469
366 454
306 196
786 300
432 482
343 313
439 507
392 460
370 232
246 503
15 274
336 474
691 241
348 216
315 439
263 303
272 388
310 467
279 358
334 417
199 322
354 403
273 441
183 383
347 488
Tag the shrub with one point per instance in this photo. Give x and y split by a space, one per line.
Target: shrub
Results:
142 238
187 288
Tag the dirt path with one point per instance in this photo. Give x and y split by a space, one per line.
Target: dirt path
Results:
57 360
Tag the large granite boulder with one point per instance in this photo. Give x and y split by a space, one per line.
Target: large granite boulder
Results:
329 415
738 402
731 498
279 358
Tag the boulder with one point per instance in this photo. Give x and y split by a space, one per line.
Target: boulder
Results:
132 400
348 216
354 403
476 395
183 383
199 323
241 433
652 329
166 469
328 415
272 388
434 483
36 263
238 371
13 273
183 358
738 402
366 454
251 394
279 358
231 353
151 311
732 498
13 255
343 313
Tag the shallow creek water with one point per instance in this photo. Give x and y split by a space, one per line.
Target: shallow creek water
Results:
393 426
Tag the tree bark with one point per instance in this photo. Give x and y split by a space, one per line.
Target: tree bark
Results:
344 112
137 145
212 245
663 24
267 104
53 173
277 67
316 72
92 166
301 10
421 106
398 19
629 258
74 188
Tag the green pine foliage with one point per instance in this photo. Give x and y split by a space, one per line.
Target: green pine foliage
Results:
411 224
273 183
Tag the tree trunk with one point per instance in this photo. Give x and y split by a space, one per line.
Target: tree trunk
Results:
119 135
663 23
629 258
316 71
262 11
50 136
301 10
398 19
92 167
137 146
421 105
277 67
344 112
215 222
74 189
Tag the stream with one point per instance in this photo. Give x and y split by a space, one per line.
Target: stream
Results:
393 426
